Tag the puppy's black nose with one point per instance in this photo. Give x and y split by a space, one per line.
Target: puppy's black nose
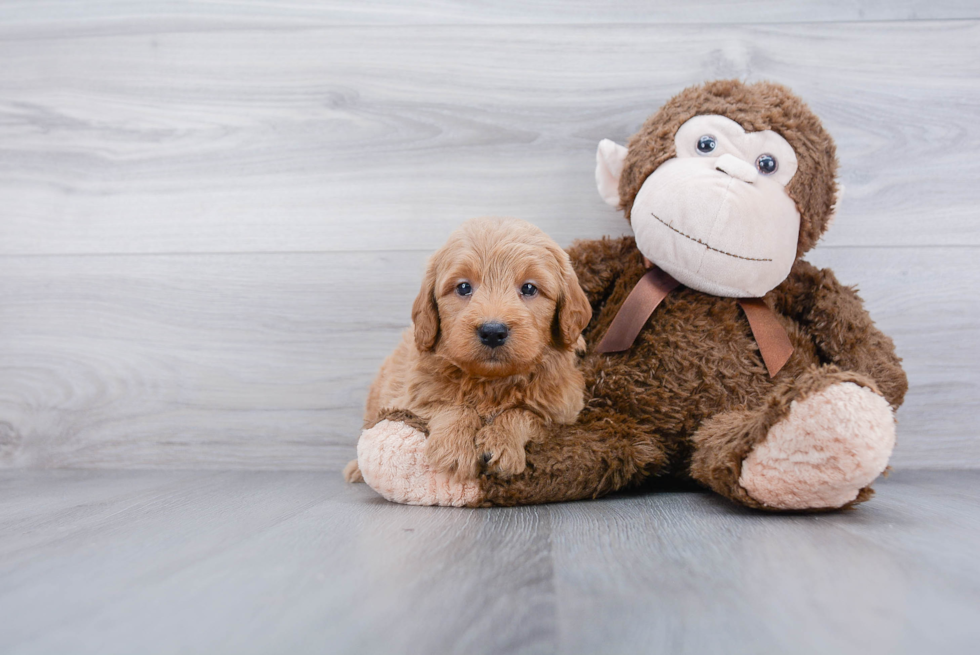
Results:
492 334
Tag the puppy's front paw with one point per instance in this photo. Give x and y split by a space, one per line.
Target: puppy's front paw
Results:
502 452
452 451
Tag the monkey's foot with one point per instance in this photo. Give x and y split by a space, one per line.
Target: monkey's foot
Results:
832 444
391 458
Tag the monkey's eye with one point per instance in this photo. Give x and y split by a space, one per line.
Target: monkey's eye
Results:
707 144
528 290
766 164
464 289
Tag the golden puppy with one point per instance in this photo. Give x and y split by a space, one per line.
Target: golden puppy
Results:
490 358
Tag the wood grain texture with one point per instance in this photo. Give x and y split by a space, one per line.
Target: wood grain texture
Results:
213 215
215 361
195 137
461 12
258 562
263 361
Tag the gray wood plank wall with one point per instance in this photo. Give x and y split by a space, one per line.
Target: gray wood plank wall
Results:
214 215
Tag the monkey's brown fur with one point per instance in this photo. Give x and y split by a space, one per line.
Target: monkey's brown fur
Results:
692 397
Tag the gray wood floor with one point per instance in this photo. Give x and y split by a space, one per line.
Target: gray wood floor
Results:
299 562
214 214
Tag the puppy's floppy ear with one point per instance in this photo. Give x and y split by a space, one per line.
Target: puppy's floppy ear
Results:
425 311
573 311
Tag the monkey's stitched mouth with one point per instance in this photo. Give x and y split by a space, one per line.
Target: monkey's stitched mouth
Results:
702 243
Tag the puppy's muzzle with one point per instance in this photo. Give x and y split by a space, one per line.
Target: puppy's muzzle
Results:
492 334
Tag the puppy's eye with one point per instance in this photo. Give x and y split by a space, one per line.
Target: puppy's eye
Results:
528 290
464 289
707 144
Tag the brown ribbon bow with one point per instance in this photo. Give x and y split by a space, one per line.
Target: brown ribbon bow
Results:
653 287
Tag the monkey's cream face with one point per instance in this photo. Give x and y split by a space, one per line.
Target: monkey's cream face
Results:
717 217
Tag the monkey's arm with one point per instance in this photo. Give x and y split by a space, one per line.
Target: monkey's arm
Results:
599 262
601 453
840 326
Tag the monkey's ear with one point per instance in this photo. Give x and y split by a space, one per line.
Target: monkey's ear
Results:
425 311
609 159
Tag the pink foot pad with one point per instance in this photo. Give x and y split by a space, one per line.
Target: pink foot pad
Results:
391 456
833 444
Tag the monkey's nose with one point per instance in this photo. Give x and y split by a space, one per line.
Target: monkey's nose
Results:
737 168
492 334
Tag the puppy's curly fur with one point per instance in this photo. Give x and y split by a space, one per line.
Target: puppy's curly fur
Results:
482 403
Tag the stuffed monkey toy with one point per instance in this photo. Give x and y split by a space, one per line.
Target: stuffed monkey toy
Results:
715 353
